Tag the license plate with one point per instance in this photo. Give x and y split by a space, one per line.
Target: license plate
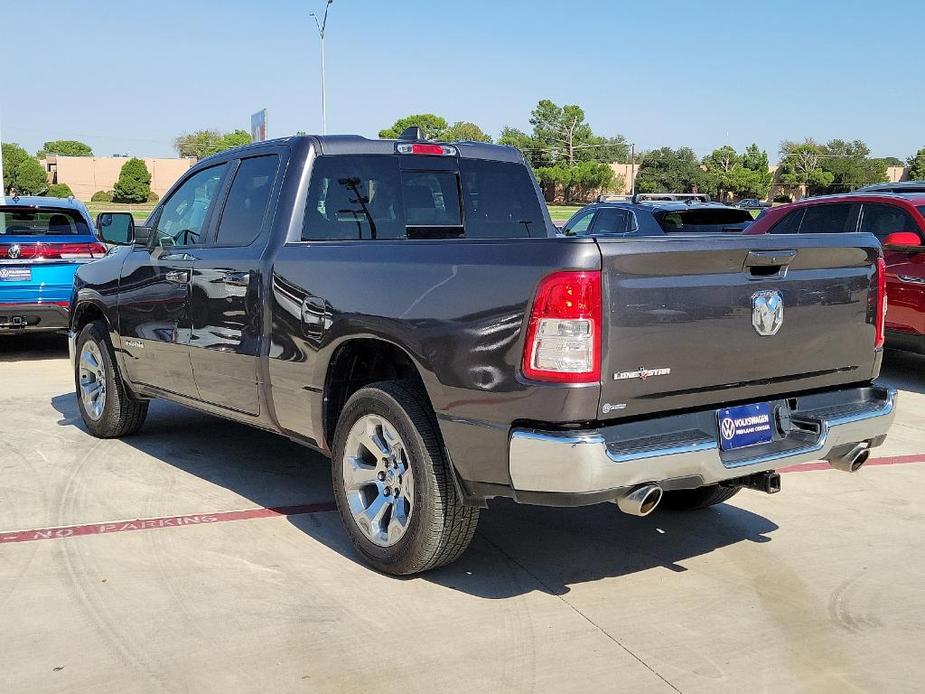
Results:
745 425
15 274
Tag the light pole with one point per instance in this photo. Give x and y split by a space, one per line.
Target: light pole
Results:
2 187
322 25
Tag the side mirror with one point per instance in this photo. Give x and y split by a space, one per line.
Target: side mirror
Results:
117 228
902 240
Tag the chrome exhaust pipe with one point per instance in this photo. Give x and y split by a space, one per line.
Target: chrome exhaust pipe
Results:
641 500
853 460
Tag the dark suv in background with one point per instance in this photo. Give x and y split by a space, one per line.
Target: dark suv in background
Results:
655 215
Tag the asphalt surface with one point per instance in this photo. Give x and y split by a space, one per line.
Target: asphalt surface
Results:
202 556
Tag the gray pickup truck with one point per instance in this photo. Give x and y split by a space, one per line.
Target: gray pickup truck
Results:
405 307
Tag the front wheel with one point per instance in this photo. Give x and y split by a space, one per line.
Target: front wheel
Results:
106 406
702 497
393 484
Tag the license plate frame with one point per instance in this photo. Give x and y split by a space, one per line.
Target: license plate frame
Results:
15 273
743 426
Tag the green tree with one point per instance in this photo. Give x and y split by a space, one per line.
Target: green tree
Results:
199 144
236 138
466 132
21 173
59 190
851 166
134 182
745 176
64 148
892 161
561 129
432 127
801 164
577 180
917 165
667 170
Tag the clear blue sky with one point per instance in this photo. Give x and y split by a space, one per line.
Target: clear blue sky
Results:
128 75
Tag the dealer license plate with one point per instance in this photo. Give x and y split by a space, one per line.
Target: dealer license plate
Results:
15 274
745 425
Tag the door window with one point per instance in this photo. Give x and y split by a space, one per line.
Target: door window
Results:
579 224
611 220
881 220
834 218
248 201
185 213
790 224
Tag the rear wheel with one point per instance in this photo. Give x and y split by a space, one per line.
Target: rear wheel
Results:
393 484
702 497
106 406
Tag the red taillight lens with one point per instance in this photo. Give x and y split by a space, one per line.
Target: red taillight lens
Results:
63 251
564 333
880 316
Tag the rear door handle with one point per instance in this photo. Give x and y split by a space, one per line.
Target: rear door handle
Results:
177 276
237 279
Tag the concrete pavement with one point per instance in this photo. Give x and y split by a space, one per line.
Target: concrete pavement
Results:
816 589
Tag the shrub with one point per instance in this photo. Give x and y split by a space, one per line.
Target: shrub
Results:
134 182
59 190
153 197
102 196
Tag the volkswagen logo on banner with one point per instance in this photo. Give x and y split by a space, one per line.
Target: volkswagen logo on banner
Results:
13 252
767 311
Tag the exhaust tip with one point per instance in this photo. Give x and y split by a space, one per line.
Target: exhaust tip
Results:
853 460
640 501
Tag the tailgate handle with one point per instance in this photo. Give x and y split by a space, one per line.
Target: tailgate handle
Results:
767 263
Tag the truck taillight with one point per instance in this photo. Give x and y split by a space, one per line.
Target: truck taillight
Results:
880 317
564 333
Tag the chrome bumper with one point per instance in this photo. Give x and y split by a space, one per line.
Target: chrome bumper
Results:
595 461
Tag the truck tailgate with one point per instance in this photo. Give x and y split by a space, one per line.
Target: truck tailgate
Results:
679 313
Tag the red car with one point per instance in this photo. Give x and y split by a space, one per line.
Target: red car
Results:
898 221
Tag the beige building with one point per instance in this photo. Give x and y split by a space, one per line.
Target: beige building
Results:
87 175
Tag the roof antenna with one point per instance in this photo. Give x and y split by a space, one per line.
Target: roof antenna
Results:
412 133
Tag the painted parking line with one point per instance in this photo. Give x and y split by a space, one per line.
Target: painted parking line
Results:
123 526
892 460
109 527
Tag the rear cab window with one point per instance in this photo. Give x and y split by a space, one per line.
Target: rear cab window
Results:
25 221
714 220
381 197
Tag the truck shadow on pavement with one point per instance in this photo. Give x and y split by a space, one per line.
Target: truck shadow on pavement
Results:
904 370
33 347
518 549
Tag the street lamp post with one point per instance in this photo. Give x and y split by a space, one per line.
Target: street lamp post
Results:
322 25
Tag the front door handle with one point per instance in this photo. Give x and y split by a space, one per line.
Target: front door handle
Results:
237 279
177 276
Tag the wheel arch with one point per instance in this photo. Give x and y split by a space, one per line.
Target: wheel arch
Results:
354 364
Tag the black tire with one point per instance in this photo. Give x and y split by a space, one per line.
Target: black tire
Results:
122 414
693 499
440 526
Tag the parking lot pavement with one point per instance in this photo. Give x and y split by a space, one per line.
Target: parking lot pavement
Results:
203 556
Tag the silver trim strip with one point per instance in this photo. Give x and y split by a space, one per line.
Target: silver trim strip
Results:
548 461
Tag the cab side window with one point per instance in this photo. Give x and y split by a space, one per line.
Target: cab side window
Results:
882 220
579 224
183 217
247 203
790 224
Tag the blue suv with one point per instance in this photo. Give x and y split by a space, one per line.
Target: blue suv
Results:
42 242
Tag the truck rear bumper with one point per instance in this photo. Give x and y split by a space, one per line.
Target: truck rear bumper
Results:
683 452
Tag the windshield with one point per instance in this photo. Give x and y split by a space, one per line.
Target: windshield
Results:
21 221
716 219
